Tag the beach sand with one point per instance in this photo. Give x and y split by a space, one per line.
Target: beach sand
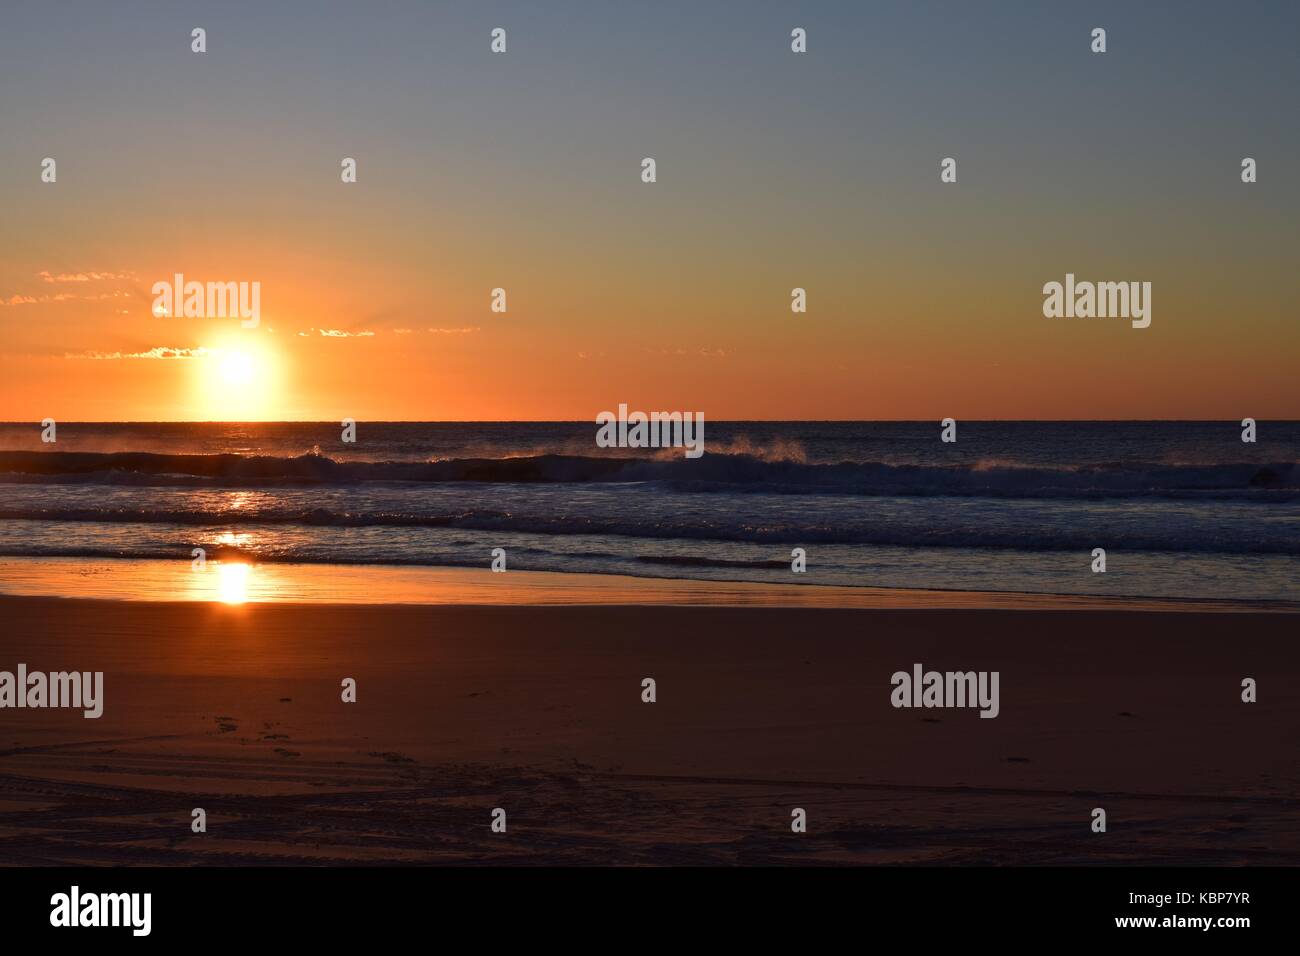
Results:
538 710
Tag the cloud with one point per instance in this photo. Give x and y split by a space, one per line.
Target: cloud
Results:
45 276
336 334
702 352
63 297
157 352
68 278
340 334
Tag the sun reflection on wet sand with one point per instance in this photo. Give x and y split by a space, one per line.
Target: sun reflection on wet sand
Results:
232 582
236 583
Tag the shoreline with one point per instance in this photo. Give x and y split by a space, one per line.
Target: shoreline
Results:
225 582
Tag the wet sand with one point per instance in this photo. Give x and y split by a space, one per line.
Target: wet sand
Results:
538 710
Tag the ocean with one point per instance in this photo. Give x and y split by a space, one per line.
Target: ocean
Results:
1182 509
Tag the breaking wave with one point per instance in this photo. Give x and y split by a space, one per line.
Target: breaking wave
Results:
731 472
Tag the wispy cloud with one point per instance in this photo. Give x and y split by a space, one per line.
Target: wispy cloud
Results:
365 334
73 278
703 352
337 334
157 352
63 297
62 277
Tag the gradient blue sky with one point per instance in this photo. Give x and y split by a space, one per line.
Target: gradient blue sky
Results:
775 170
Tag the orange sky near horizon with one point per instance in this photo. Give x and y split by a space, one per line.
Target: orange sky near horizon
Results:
551 357
891 339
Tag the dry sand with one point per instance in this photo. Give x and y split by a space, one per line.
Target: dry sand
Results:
538 710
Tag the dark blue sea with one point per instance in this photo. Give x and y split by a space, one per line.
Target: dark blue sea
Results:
1182 509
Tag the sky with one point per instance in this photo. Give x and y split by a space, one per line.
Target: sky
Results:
522 171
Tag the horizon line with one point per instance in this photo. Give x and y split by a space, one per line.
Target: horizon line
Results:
588 421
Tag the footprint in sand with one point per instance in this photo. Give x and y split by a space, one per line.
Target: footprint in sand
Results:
392 756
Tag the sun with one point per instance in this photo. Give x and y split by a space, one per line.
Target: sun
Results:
238 381
236 368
